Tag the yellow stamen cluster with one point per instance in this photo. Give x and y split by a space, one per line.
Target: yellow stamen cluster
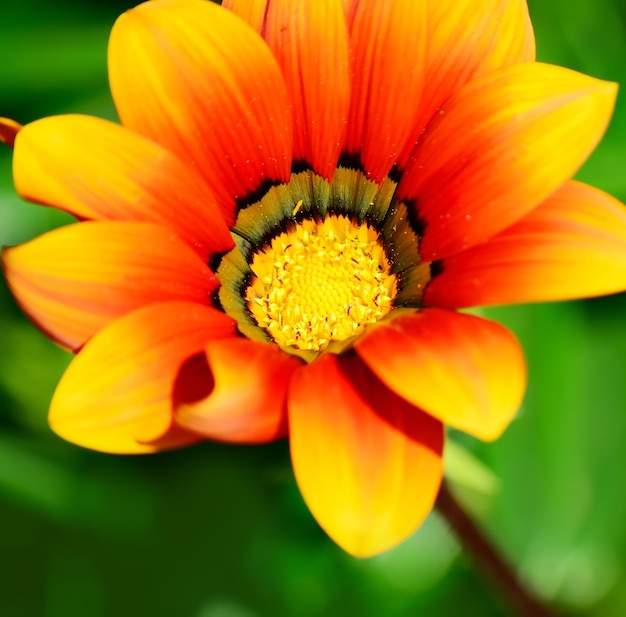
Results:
321 282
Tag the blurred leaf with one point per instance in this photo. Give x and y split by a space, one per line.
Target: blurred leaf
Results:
32 374
466 470
559 461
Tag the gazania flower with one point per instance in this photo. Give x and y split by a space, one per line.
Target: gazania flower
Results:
276 239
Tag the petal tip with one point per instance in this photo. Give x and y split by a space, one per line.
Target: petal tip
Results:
8 131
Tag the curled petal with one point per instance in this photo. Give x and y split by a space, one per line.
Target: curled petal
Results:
498 148
247 400
210 91
75 280
116 395
466 371
571 246
368 464
122 176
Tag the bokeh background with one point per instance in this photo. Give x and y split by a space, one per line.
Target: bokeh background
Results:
221 531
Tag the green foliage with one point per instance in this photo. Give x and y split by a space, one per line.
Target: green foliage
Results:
219 531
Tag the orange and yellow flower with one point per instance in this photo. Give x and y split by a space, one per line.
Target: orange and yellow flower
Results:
276 239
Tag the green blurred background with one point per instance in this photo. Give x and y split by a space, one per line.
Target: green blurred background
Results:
221 531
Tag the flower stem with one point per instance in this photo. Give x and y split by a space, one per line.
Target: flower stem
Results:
495 567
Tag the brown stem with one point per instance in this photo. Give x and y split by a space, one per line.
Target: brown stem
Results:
496 568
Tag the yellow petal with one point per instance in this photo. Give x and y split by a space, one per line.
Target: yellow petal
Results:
571 246
467 40
466 371
117 392
191 76
75 280
96 169
368 464
498 148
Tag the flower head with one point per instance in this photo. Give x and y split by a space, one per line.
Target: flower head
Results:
276 239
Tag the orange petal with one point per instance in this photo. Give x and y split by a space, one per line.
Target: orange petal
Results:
8 131
388 41
571 246
498 148
368 464
118 390
466 371
466 40
75 280
310 42
99 170
248 401
251 11
349 7
196 79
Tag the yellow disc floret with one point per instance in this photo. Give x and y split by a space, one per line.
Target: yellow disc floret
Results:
322 282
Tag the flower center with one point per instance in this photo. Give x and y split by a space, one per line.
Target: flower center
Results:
322 282
316 262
